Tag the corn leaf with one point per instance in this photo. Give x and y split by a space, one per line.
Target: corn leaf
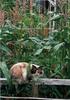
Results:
5 71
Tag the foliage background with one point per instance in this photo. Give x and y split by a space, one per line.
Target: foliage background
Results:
22 38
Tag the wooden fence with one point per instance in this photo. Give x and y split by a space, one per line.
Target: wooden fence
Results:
44 81
2 16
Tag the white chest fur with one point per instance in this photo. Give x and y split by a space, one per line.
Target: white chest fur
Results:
24 73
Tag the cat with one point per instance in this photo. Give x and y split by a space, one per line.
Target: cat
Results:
23 71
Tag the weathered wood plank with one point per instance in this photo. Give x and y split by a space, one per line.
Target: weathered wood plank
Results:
35 90
45 81
48 81
29 98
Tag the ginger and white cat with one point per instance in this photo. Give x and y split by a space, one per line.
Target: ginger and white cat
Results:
24 71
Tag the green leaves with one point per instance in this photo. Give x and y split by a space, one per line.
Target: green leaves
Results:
5 49
38 52
58 46
55 17
5 71
23 42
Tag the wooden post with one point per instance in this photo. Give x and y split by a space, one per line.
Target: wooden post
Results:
24 6
2 16
35 90
54 14
17 5
31 5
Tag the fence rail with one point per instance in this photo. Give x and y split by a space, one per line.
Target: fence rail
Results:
29 98
48 81
44 81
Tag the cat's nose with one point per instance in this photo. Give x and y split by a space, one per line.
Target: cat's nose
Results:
40 72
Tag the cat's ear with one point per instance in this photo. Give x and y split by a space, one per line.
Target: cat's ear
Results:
33 69
34 66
